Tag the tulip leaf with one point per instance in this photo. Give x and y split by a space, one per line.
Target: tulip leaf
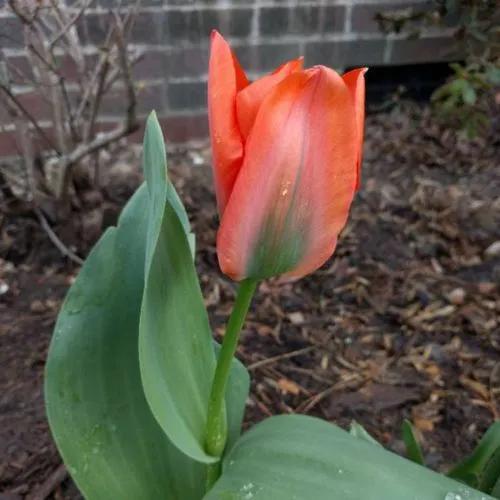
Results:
491 473
175 342
360 432
495 493
154 165
111 443
98 413
413 449
482 468
176 352
296 456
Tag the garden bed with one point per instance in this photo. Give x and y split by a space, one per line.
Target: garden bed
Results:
403 322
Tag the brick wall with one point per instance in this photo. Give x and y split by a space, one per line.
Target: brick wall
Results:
173 35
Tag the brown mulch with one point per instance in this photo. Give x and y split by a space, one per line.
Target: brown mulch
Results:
403 322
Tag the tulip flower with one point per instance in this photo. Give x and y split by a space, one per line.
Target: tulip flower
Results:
286 162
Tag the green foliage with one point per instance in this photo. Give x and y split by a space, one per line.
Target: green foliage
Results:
96 405
360 432
103 427
129 371
175 350
301 457
495 492
413 450
464 99
464 102
481 469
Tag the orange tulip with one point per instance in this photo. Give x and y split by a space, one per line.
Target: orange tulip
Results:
286 162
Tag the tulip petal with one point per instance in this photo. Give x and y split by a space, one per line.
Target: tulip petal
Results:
250 98
226 79
294 189
355 80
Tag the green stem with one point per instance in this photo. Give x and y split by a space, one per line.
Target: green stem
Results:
216 430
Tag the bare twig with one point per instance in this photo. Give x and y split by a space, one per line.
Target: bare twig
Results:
49 75
96 97
49 26
115 73
99 78
131 117
54 78
127 74
55 239
19 13
288 355
89 91
29 117
311 402
99 142
69 31
69 24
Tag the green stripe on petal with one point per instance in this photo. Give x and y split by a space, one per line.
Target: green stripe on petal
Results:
278 248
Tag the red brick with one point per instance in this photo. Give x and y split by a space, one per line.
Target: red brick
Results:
332 18
36 105
11 32
152 64
189 62
149 97
266 57
68 69
147 27
424 50
195 25
345 53
20 70
39 143
4 114
8 144
178 129
184 96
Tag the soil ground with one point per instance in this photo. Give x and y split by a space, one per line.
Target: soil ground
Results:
403 321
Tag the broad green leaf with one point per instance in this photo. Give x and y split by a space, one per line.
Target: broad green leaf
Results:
496 489
491 473
154 165
101 422
174 200
479 469
413 449
175 341
360 432
298 457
